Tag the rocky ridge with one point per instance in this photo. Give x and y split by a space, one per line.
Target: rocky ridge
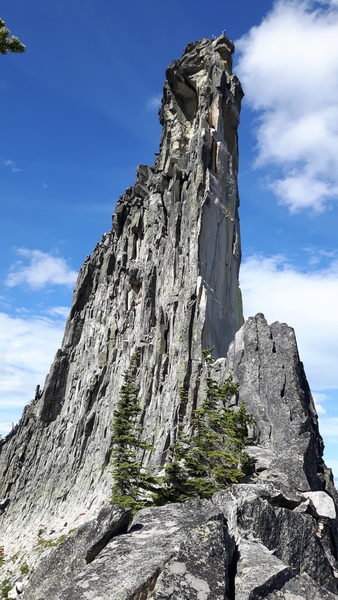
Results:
163 284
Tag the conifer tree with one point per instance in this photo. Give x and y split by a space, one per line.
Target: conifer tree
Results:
198 466
9 45
215 454
129 478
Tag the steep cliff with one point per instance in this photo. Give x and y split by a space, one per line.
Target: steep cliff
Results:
161 287
163 282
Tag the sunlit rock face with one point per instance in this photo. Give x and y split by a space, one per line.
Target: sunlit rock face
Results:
161 287
163 283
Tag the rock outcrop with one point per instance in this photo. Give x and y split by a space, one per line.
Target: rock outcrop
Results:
273 536
163 283
161 287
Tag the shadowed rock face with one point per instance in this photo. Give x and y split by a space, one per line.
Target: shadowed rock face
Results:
162 286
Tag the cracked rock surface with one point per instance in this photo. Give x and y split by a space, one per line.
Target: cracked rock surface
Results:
162 286
163 283
244 545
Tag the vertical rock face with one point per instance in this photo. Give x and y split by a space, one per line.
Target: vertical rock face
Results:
162 284
161 287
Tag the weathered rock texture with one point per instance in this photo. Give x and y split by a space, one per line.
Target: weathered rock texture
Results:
163 282
163 286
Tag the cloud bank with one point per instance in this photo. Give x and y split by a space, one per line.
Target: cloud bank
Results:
306 300
27 348
42 269
288 67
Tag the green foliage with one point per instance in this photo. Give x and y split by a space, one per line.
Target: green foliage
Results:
9 45
24 569
199 465
215 454
5 586
129 478
43 544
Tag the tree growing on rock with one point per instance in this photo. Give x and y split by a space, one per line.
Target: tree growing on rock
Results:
130 481
199 465
215 454
9 45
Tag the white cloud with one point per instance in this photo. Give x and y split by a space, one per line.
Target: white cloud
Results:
42 269
5 426
27 349
288 67
307 301
154 103
11 164
329 428
319 399
59 311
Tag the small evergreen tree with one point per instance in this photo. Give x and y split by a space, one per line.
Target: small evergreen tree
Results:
198 466
215 454
129 479
9 45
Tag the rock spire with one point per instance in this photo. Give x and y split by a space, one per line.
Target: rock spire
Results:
161 287
162 284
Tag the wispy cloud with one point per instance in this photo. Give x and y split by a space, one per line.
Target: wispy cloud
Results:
27 348
154 103
306 300
11 165
288 66
329 428
59 311
38 269
319 399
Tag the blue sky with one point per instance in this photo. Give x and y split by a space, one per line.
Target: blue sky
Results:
79 113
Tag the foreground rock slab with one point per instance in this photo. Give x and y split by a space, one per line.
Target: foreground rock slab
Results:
243 545
80 548
129 565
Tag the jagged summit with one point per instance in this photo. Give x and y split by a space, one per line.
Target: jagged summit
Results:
162 286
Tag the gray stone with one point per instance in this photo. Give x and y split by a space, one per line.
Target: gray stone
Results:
275 541
200 569
162 286
258 571
301 587
266 366
129 565
74 553
323 504
162 283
